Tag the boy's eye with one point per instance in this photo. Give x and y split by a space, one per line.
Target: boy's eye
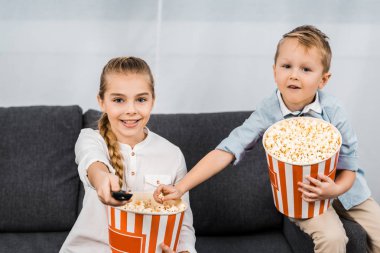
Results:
118 100
306 69
287 66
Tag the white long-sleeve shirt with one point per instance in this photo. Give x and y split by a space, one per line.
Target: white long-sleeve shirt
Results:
151 162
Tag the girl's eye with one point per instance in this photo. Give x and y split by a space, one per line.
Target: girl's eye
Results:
118 100
141 100
286 66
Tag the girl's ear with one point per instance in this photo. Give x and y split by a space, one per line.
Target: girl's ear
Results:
101 103
325 78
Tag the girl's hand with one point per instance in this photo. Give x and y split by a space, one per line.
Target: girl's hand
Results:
106 184
319 189
166 249
166 192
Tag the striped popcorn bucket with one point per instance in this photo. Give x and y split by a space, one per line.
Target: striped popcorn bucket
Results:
284 178
135 232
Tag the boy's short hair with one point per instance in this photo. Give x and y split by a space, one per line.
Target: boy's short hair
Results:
310 36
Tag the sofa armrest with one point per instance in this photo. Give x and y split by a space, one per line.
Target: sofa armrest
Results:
301 242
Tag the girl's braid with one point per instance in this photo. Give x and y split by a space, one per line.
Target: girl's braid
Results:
116 158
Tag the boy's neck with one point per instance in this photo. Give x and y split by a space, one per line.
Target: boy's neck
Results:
296 109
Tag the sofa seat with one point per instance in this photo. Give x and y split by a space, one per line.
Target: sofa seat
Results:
263 242
32 242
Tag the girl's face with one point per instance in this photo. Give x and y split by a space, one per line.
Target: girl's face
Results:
128 102
298 73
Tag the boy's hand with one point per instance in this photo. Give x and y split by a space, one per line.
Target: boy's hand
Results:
319 189
166 192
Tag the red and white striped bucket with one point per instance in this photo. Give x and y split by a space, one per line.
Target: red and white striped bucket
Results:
135 232
284 178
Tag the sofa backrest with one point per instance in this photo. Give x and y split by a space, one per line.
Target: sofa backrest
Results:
237 200
38 175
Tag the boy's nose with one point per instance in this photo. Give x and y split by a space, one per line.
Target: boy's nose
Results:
294 75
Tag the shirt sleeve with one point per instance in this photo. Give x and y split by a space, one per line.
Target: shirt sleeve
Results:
187 236
348 157
89 148
244 137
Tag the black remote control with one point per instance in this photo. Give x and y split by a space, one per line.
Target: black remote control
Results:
121 195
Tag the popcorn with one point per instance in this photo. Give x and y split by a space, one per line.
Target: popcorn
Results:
303 140
150 206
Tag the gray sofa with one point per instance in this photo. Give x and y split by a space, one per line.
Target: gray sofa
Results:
41 194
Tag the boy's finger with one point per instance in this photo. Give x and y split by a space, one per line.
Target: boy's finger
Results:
307 187
324 178
314 181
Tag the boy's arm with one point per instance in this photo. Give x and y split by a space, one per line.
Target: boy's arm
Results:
325 188
211 164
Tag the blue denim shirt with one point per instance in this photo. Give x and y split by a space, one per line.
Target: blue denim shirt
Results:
326 107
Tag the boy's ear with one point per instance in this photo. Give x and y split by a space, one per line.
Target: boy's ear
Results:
274 71
100 102
325 78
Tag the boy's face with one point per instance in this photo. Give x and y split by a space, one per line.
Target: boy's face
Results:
298 73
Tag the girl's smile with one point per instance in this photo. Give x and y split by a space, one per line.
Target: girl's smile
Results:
128 102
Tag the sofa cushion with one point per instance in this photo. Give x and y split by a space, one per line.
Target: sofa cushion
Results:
263 242
239 199
38 175
47 242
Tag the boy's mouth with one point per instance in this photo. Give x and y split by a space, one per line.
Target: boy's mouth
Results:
293 87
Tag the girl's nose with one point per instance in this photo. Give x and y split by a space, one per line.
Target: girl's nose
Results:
130 108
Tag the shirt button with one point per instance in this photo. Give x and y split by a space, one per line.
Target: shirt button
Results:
133 154
133 173
158 181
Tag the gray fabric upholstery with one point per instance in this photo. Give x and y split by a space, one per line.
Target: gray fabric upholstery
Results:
41 194
239 199
263 242
38 175
49 242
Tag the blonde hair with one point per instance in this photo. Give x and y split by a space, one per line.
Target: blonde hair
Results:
120 65
310 36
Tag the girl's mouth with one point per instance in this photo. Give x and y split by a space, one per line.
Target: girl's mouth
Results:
130 123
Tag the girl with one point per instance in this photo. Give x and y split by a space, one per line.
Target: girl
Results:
123 154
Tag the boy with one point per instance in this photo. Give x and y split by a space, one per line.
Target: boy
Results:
301 70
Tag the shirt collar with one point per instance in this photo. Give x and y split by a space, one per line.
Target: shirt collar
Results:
314 106
139 145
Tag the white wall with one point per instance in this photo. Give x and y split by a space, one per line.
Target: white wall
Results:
207 56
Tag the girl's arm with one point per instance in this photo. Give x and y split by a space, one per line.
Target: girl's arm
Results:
325 188
94 168
211 164
104 182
